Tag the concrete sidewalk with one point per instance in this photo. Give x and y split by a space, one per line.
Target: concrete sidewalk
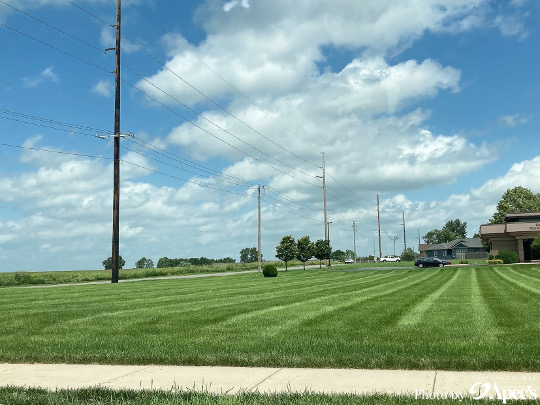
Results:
231 380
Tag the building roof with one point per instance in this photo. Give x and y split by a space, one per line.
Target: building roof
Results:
534 214
468 242
422 247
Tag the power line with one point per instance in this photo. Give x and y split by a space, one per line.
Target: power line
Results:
171 110
144 93
164 65
224 80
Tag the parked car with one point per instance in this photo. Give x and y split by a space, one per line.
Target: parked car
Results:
349 261
429 262
446 262
391 259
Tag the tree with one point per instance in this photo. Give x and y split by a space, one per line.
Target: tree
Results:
339 255
164 262
535 245
458 228
439 236
517 199
286 250
322 250
144 263
249 255
349 254
305 250
408 255
453 229
107 263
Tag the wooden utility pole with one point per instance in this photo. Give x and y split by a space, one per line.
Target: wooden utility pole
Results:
116 192
324 198
404 237
354 239
379 222
394 238
326 236
259 233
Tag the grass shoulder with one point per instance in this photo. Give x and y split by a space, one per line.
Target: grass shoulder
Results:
82 276
104 396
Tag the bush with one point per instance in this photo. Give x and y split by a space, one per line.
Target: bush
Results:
508 256
22 277
494 261
464 262
269 270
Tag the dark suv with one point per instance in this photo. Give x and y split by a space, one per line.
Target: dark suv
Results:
429 262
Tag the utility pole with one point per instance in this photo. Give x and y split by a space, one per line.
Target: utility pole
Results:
354 239
379 222
394 238
116 192
404 237
259 233
326 236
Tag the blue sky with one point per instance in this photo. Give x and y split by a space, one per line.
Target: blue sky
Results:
430 104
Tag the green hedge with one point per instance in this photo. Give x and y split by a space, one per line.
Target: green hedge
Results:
508 256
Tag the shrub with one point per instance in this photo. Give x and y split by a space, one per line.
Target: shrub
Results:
269 270
494 261
508 256
464 262
22 277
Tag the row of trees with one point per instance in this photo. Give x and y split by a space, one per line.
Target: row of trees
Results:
193 261
145 263
303 250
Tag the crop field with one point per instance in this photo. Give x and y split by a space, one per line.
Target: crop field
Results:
471 318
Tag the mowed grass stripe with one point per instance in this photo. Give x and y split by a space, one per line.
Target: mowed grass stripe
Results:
176 307
415 314
292 315
483 319
510 303
527 278
514 281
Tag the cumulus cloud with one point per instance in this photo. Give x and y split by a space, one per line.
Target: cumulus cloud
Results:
513 120
103 88
47 75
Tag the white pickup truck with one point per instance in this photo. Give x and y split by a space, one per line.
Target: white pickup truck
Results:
390 259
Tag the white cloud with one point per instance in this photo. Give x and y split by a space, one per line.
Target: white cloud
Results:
47 75
231 4
103 88
513 120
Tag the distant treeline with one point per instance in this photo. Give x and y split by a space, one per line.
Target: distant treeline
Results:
194 261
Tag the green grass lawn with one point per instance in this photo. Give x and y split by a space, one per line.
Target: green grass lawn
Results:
100 396
473 318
